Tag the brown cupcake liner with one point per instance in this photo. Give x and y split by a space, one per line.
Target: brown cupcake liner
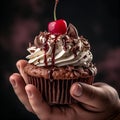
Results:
56 91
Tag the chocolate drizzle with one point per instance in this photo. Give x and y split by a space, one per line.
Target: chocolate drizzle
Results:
50 72
45 51
53 51
64 41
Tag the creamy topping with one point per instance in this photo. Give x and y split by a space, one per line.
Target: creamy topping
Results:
61 50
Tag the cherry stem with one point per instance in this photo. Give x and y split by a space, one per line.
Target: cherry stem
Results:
56 2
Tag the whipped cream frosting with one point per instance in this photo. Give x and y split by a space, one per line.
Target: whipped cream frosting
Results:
61 50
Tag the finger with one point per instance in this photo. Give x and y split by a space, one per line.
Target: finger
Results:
110 93
40 107
20 65
89 95
19 87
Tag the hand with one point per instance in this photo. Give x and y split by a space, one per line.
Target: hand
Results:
96 102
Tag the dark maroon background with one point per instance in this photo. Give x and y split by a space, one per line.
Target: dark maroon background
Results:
21 20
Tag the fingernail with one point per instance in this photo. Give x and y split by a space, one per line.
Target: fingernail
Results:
77 90
13 82
29 93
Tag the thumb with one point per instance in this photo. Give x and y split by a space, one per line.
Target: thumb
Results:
89 95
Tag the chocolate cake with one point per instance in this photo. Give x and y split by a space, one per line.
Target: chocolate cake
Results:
56 61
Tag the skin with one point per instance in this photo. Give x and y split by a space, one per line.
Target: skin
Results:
98 101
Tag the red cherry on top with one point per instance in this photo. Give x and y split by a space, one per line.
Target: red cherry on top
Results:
57 27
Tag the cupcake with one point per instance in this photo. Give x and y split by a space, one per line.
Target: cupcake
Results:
56 61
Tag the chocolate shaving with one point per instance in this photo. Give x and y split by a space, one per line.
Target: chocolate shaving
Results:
37 42
72 31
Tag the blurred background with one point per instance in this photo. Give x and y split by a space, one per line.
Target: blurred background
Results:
22 20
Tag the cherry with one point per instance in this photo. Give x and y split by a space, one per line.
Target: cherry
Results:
57 26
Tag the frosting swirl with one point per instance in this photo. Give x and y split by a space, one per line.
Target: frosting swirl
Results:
61 50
